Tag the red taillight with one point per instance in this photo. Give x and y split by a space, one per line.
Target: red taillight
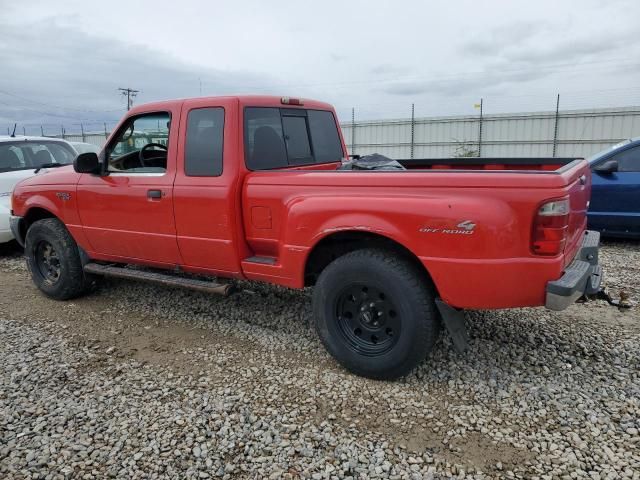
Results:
551 227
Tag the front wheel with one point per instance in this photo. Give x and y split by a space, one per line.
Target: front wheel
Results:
375 313
53 260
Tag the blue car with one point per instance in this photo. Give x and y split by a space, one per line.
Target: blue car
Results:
615 195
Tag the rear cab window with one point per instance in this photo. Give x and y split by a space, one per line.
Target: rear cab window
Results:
284 137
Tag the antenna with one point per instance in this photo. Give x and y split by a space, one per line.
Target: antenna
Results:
13 134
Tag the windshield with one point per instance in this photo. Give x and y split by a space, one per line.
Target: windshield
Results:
596 156
32 154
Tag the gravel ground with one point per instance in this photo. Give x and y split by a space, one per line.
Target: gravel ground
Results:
138 381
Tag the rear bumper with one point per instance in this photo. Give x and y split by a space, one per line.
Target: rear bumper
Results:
582 276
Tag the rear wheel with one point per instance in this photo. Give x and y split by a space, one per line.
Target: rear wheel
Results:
54 260
375 313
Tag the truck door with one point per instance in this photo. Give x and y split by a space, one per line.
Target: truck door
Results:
207 205
128 213
615 197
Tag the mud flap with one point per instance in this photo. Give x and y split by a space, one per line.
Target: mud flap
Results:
453 320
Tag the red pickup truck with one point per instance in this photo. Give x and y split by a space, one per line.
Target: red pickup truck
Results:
258 188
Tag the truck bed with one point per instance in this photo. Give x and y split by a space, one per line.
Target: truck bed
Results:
549 164
500 196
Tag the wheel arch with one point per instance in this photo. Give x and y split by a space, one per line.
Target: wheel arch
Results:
33 215
339 243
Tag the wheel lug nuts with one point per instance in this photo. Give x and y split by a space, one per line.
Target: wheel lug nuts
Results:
372 305
379 314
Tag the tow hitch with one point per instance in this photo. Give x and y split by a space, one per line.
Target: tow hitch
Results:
622 303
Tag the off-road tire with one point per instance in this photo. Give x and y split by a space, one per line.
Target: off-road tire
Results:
397 281
71 281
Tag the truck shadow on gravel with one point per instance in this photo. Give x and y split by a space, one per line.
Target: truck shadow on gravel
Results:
10 250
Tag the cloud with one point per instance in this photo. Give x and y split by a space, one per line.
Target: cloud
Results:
494 41
65 75
388 69
540 42
470 83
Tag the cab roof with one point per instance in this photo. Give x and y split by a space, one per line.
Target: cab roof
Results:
244 101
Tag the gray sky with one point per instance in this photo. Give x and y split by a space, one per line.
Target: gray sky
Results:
63 61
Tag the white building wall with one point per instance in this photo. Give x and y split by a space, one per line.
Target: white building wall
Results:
580 134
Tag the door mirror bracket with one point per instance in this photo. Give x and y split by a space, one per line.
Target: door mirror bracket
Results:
87 163
607 167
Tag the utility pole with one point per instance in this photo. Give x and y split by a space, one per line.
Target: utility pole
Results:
555 126
480 130
353 131
131 94
413 124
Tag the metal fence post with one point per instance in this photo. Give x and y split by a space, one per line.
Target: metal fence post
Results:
353 131
41 131
62 130
555 126
106 135
480 131
24 131
413 124
82 132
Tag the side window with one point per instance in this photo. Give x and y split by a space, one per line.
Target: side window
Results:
141 145
203 148
264 142
629 160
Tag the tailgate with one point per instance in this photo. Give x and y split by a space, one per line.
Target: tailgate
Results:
579 185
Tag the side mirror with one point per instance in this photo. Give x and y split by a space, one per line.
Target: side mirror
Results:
87 163
608 167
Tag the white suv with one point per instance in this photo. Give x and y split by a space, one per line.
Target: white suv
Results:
20 157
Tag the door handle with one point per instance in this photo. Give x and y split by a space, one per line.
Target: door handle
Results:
156 194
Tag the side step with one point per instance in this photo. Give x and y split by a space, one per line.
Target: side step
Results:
261 260
161 278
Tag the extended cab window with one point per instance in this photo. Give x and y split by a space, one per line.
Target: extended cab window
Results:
141 145
203 149
281 137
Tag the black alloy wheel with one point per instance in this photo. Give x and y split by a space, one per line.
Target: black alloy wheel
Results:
375 312
367 319
47 261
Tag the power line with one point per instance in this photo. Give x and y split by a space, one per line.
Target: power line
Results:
131 94
35 102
